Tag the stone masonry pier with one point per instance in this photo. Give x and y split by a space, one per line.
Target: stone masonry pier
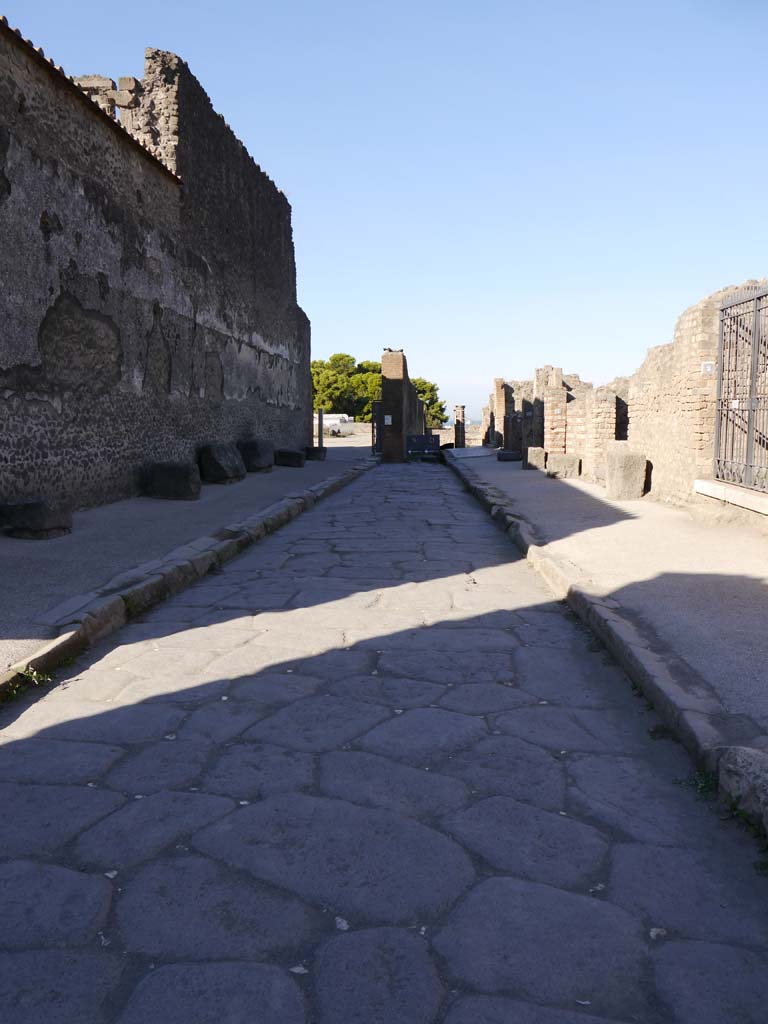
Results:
370 771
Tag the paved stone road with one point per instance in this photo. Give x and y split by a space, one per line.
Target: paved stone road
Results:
369 774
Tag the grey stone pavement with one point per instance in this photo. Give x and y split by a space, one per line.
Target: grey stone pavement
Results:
370 773
37 576
698 588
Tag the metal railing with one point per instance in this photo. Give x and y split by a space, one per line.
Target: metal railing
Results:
741 424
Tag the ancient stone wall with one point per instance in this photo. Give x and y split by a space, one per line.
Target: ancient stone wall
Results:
671 402
402 409
665 410
601 417
149 302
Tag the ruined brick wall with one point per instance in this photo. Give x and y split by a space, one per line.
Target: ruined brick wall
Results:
577 421
671 402
602 425
147 306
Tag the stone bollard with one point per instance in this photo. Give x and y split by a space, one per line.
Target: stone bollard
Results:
563 466
258 456
220 463
534 458
173 481
625 472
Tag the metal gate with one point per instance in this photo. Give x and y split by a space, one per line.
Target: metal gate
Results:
741 427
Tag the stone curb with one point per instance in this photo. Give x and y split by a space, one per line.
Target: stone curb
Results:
731 746
90 617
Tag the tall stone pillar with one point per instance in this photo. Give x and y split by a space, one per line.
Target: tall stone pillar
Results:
490 436
459 436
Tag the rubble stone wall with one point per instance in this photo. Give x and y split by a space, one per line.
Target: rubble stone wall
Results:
149 301
671 403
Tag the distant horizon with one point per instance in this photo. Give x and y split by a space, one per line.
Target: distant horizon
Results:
490 188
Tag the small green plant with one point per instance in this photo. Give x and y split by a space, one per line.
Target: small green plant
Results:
705 784
31 677
28 677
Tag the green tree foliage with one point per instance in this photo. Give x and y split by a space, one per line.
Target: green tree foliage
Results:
433 407
342 385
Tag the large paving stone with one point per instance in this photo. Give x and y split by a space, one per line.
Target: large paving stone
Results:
392 693
335 665
570 677
504 765
693 893
168 764
368 863
484 698
33 760
529 842
74 719
383 975
317 723
636 798
252 770
220 721
47 905
274 688
551 624
449 640
708 983
144 827
581 729
379 782
187 907
497 1010
37 819
171 688
57 987
461 666
215 994
548 945
423 734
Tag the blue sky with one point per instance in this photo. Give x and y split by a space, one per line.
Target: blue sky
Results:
490 186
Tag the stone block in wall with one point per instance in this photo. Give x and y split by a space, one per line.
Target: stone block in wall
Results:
176 481
535 458
563 466
290 457
35 519
258 456
625 472
220 463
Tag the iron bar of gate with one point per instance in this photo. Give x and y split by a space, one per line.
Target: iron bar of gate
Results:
741 424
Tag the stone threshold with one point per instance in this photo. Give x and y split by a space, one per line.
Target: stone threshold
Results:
733 494
732 747
87 618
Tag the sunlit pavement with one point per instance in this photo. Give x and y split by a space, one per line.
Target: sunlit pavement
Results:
370 772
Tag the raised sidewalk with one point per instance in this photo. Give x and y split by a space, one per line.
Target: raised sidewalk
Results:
682 604
131 553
